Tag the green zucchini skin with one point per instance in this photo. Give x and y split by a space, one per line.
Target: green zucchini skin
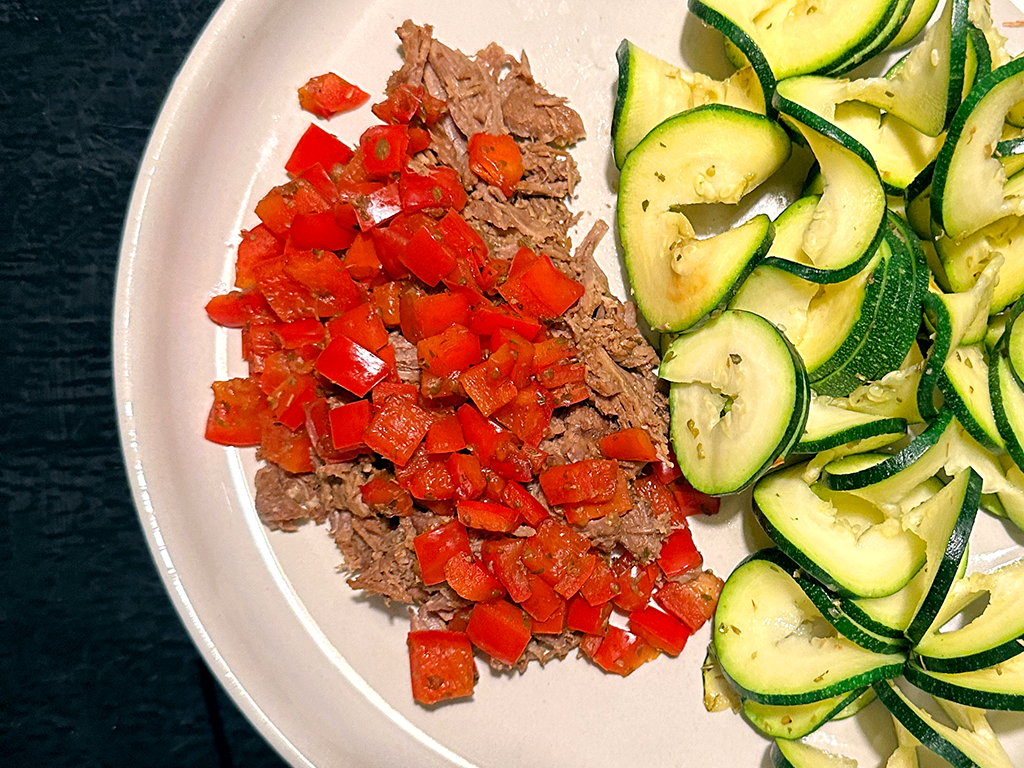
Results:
984 688
903 710
797 721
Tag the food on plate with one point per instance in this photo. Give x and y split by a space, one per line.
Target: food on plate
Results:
437 375
851 362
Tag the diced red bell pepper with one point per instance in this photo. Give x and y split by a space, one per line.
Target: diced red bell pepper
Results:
692 502
553 624
487 516
588 480
258 343
441 390
528 414
500 629
497 160
427 478
602 586
363 324
543 600
318 426
666 471
289 299
559 555
693 602
322 273
349 422
618 504
452 351
290 450
430 314
257 244
384 149
583 617
663 502
560 374
658 629
393 240
487 319
501 556
518 498
483 436
467 475
552 350
633 444
445 435
514 350
386 389
487 388
440 187
407 102
236 414
386 497
351 366
300 333
328 94
569 394
636 583
541 288
236 308
279 207
319 231
471 581
317 146
387 296
621 652
397 429
434 548
679 554
426 255
379 206
441 665
361 258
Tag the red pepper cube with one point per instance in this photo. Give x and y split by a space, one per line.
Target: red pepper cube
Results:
349 422
501 556
636 583
499 629
619 504
426 255
514 352
236 413
542 289
452 351
407 102
467 475
397 429
666 471
319 231
386 389
528 414
432 314
361 258
581 616
679 554
560 555
386 497
236 308
487 516
289 299
377 207
692 602
633 444
560 374
322 273
547 352
621 652
486 320
351 366
497 160
363 324
440 187
427 479
486 387
543 600
445 435
384 149
602 586
659 630
588 480
464 242
257 244
318 426
317 146
553 624
693 502
328 94
662 501
484 437
387 296
570 394
441 665
290 409
436 547
278 208
290 450
470 580
525 503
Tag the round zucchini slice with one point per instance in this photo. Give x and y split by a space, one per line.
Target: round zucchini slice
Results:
1000 686
777 648
738 400
712 154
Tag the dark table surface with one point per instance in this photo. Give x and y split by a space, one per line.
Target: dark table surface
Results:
95 667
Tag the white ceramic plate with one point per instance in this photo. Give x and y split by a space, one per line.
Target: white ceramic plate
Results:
320 671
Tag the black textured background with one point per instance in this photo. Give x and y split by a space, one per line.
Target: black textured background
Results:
95 668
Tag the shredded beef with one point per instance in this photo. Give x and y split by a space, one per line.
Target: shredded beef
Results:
284 500
639 531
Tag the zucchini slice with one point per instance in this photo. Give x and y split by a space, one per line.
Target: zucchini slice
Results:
1003 241
830 425
829 33
1000 686
776 647
917 19
970 745
995 636
651 90
738 400
797 754
689 159
844 542
969 183
797 720
1008 406
964 384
